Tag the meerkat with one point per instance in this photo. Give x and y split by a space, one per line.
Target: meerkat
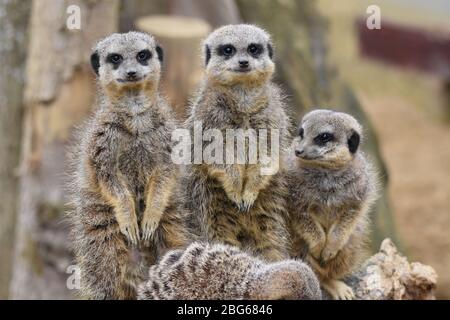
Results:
215 271
332 188
234 202
123 175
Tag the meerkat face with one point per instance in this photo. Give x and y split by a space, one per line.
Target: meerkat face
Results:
327 139
127 60
239 54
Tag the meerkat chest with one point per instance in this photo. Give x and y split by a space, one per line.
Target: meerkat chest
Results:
138 155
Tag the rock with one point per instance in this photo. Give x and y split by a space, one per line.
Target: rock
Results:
389 276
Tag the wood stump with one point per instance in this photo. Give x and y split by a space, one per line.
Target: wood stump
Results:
181 39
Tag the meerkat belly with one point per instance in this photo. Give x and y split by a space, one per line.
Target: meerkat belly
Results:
136 165
325 216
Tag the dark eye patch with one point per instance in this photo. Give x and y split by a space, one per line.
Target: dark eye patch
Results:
255 50
226 50
301 133
353 142
270 48
143 56
95 62
322 138
115 59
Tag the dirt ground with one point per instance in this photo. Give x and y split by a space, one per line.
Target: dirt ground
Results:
417 153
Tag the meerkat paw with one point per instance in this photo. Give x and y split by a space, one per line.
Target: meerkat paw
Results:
328 253
315 249
338 290
236 198
131 231
248 199
149 224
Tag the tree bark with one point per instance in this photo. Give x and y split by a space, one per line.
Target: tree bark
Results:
14 17
59 94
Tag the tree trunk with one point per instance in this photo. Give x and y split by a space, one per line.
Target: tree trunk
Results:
14 17
58 95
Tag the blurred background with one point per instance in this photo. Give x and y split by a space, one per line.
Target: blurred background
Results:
396 80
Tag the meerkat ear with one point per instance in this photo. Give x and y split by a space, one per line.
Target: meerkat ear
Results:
95 62
208 54
160 53
270 49
353 142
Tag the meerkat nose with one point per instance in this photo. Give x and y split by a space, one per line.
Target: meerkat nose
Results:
131 74
298 153
243 64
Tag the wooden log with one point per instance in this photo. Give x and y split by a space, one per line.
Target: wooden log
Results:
217 12
180 37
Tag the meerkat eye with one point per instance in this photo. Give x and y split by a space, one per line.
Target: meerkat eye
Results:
323 138
144 55
227 50
301 133
255 49
115 58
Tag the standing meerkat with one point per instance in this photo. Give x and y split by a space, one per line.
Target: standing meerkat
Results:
332 187
235 202
221 272
123 174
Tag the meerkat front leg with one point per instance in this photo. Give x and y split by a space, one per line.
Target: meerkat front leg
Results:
112 184
231 179
254 183
121 199
339 235
159 188
312 232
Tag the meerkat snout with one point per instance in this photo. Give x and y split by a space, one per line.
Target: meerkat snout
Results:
238 54
127 60
327 139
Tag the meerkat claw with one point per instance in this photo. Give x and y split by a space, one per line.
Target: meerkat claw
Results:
248 199
131 234
338 290
148 230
